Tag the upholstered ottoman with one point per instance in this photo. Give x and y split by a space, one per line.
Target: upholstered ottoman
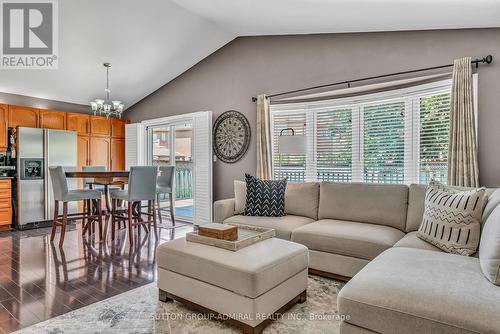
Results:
247 286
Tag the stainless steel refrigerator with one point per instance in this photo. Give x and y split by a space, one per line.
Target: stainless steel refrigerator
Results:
38 149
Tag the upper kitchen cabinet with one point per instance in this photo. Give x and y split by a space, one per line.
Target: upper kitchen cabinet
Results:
23 116
100 126
4 112
118 128
52 119
78 122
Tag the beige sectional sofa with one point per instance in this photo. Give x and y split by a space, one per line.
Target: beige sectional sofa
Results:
344 225
401 283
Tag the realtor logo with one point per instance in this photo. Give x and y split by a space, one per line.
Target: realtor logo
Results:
29 34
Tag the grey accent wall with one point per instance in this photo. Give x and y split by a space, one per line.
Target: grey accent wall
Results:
247 66
34 102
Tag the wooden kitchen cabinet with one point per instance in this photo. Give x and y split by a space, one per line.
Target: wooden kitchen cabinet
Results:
100 151
5 204
78 122
118 128
117 154
23 116
83 151
101 141
4 113
52 119
100 126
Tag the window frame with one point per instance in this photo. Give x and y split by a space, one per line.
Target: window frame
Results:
410 96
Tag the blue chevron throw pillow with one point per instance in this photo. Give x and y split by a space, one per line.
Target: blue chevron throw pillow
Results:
452 218
265 197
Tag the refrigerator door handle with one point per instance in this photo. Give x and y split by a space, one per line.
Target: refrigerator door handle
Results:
46 172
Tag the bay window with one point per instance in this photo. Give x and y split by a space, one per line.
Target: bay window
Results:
398 136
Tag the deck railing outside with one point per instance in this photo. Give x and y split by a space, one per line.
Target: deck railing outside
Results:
436 171
183 180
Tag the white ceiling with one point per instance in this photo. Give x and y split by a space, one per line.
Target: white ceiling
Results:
147 42
151 42
267 17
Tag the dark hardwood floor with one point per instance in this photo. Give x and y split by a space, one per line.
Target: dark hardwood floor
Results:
39 280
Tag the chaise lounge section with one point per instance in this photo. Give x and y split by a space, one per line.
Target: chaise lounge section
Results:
407 290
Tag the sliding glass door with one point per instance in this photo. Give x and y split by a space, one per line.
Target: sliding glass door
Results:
172 144
183 144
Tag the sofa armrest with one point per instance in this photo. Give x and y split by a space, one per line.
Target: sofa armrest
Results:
223 209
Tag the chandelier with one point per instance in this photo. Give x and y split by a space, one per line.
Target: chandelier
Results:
106 106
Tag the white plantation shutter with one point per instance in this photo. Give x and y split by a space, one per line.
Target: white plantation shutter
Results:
399 136
434 113
383 131
334 145
292 166
202 167
134 145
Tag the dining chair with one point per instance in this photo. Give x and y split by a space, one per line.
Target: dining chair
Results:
141 187
62 194
165 185
90 183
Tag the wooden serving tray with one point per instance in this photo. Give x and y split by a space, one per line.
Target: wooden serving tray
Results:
247 235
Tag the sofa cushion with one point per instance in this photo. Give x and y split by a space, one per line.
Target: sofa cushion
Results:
250 272
410 240
416 198
489 247
361 240
382 204
240 197
283 225
302 199
491 204
407 290
452 218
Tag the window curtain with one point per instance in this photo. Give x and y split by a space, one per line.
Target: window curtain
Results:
264 163
462 149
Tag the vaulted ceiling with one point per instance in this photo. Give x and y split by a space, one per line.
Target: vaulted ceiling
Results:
151 42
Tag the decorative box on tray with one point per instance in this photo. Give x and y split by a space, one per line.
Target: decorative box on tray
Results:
246 236
219 231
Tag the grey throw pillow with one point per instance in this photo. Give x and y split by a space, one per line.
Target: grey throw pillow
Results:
452 218
240 197
489 248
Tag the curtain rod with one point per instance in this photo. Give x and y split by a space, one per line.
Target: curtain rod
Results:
487 60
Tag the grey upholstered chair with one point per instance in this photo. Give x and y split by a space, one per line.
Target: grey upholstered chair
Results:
104 188
87 182
62 194
141 187
165 185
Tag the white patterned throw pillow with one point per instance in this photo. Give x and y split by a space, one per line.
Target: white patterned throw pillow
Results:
452 218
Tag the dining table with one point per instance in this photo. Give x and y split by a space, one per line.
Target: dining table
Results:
106 179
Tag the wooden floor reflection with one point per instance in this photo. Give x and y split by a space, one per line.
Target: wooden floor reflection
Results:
39 280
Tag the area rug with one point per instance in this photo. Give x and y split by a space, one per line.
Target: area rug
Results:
139 311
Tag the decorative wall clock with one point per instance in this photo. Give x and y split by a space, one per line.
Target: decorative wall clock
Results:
231 136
